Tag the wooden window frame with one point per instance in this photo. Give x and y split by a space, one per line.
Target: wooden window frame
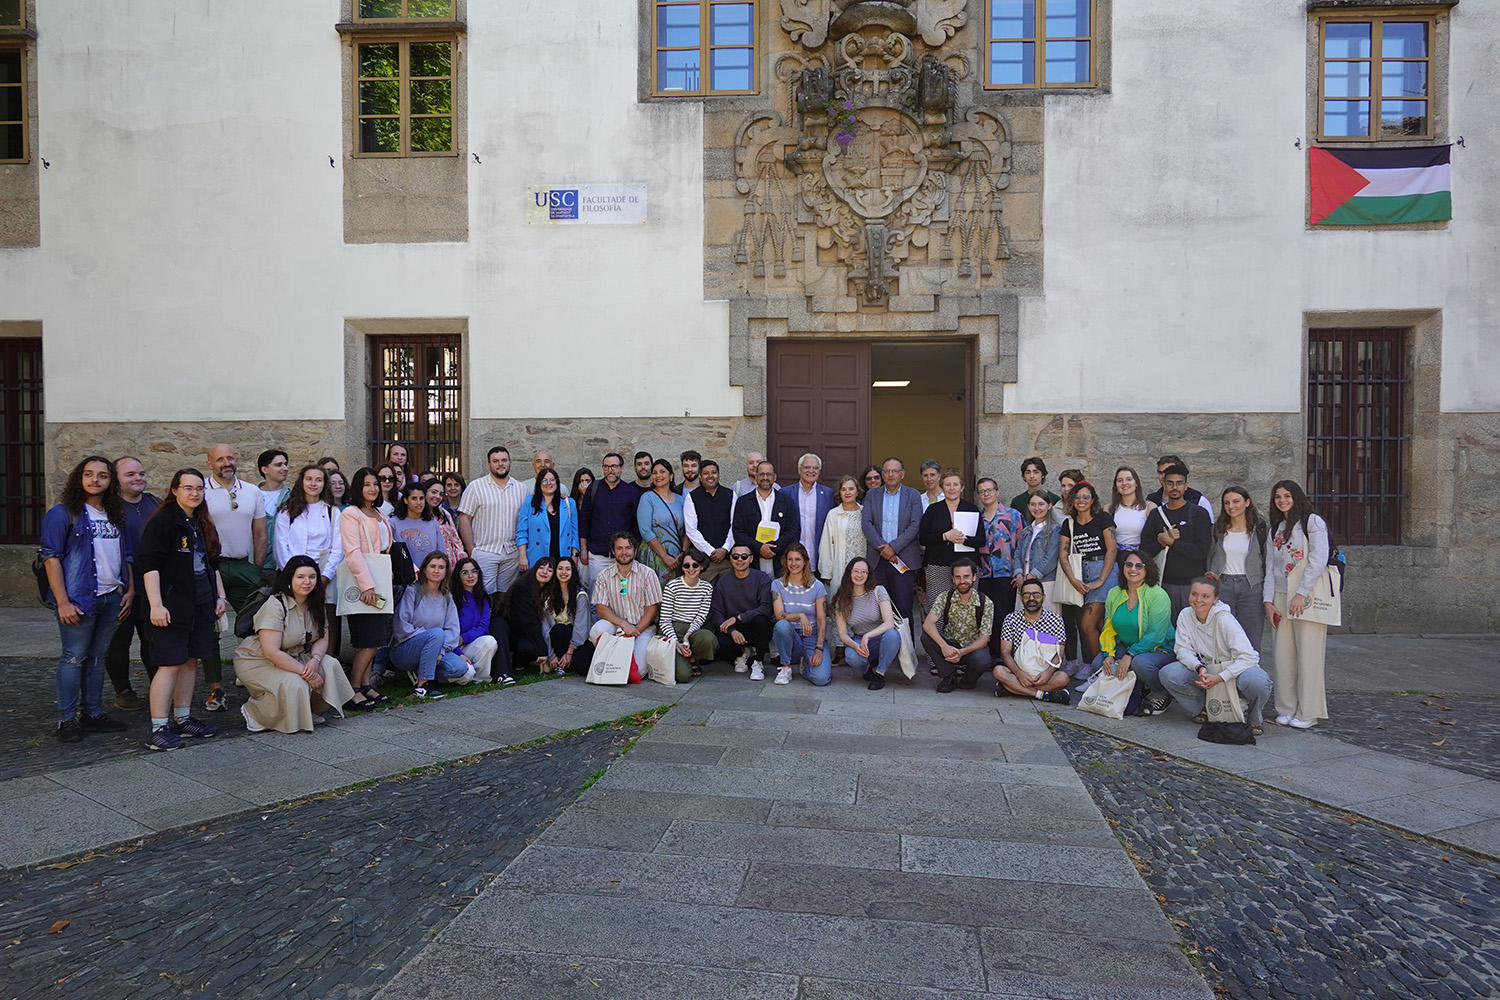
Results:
423 445
1377 22
22 493
1356 413
705 50
403 18
22 22
1039 39
404 42
25 101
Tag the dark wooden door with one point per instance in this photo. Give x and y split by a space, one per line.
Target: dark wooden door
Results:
818 400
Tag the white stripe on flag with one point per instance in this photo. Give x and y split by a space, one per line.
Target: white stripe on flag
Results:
1405 181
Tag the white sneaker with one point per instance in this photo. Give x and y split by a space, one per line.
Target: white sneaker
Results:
784 675
1283 720
756 673
250 724
741 663
1299 724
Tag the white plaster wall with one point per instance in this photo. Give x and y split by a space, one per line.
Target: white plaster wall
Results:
192 261
1178 265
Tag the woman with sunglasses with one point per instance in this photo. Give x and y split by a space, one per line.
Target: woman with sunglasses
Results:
868 480
1090 532
389 477
1138 632
685 605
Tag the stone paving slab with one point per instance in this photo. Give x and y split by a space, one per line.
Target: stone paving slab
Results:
1090 866
58 823
549 868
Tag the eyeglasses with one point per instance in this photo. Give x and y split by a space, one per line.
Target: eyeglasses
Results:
1139 567
988 489
191 489
739 555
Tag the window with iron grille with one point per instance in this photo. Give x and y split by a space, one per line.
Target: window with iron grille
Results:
416 397
22 484
1357 431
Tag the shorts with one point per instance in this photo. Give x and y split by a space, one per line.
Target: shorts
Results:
176 644
369 631
1091 568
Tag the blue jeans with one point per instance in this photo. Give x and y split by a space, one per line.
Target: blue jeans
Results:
423 652
793 646
1147 666
1254 685
80 668
883 650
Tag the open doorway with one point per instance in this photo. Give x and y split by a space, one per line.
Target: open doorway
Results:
920 406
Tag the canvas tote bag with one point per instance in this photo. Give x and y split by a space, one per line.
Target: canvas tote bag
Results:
1063 591
611 663
379 565
661 661
1108 695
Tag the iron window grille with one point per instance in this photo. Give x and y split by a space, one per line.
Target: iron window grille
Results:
22 480
416 400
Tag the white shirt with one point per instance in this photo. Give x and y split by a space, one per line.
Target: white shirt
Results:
109 551
1236 551
493 508
767 504
695 534
314 534
235 510
807 513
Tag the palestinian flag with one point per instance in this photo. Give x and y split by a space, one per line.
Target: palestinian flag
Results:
1380 187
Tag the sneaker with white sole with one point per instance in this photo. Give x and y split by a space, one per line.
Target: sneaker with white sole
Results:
1297 723
1283 720
189 726
784 675
251 726
422 693
742 663
217 701
164 739
756 673
505 680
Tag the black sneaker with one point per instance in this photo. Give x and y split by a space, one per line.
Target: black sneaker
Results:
506 680
947 684
190 726
101 723
877 682
1156 703
969 683
1057 697
69 731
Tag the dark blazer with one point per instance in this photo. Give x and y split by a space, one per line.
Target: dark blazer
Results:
937 550
825 503
908 522
167 547
783 512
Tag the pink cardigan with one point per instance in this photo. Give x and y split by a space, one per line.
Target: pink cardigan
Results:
358 540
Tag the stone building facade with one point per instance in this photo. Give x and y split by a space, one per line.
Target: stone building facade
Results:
1095 271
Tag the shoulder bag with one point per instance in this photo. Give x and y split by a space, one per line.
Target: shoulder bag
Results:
379 566
1063 591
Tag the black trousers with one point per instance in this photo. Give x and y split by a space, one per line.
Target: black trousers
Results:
117 657
1000 591
974 665
558 638
757 633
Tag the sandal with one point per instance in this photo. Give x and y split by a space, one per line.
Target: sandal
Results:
374 697
697 670
1200 718
1257 731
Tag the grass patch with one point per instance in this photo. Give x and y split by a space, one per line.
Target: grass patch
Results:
399 691
593 778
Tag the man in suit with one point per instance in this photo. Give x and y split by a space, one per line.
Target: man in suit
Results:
766 507
813 502
891 517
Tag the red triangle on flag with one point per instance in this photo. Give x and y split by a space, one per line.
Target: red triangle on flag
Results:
1333 183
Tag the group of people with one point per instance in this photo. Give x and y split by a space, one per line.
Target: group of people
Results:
447 581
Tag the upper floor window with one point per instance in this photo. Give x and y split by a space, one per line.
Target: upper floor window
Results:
1040 43
399 10
12 13
404 96
692 34
1376 81
12 106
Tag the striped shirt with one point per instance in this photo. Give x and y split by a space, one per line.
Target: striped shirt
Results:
494 510
682 603
630 594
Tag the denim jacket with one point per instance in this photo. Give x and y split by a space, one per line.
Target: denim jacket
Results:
1042 547
75 548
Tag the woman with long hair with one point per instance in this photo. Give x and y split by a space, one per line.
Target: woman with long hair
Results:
1129 509
363 530
452 542
547 524
391 480
1138 630
799 602
308 524
1299 540
528 643
1237 559
566 618
659 520
869 480
179 562
338 487
1090 532
415 524
285 663
582 480
866 624
843 537
427 633
91 587
685 604
477 616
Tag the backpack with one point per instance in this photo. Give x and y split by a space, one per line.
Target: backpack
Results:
39 569
244 615
978 608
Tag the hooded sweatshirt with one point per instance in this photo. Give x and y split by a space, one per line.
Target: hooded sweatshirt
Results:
1219 641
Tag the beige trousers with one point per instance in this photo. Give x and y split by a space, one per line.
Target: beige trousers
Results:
1299 666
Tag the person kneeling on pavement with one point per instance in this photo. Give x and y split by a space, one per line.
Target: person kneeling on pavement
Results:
285 663
956 632
1138 630
1212 647
427 633
1031 650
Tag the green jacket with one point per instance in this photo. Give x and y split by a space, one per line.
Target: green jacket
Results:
1155 609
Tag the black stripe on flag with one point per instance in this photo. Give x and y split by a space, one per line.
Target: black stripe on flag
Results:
1392 159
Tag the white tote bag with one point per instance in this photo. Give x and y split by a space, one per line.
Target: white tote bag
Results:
611 663
1035 657
1108 695
1063 591
379 566
1222 701
1160 557
661 661
1326 602
906 656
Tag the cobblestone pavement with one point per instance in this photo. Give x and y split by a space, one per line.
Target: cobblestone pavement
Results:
326 898
1460 731
1283 899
